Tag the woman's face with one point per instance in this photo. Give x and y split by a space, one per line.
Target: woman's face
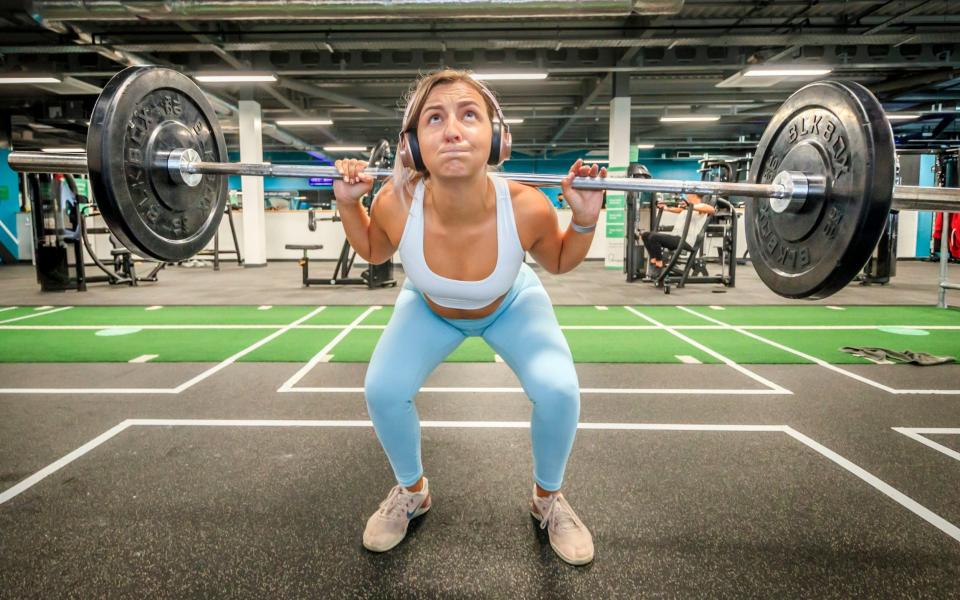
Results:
454 131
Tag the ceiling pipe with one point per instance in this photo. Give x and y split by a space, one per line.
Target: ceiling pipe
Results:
342 10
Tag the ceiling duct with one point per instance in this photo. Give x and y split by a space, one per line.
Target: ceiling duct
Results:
240 10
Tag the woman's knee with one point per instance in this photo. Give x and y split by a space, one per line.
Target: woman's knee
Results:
554 391
388 393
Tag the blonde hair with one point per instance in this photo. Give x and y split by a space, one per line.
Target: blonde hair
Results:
405 179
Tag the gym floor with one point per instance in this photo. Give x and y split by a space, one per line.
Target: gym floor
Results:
208 434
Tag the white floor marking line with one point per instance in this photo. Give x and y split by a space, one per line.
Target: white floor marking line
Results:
836 308
36 314
289 383
894 494
572 327
914 434
598 307
687 359
143 358
6 308
762 380
155 307
265 307
57 465
172 327
497 358
586 390
819 361
78 391
229 361
42 308
715 307
326 358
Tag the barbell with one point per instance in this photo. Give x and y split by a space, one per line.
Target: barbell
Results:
819 191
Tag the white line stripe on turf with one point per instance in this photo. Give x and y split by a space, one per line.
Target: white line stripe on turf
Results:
229 361
891 492
143 358
42 307
819 361
289 383
762 380
6 308
36 314
836 308
598 307
265 307
573 327
909 503
914 434
687 359
715 307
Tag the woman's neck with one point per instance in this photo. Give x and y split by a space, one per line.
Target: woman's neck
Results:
458 200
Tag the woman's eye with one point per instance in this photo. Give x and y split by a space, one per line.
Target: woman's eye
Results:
471 114
431 118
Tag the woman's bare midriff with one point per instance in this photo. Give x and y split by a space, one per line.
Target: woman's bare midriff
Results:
463 313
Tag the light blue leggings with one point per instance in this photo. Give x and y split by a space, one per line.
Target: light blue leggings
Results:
523 331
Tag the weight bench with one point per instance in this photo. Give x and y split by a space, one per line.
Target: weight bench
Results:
305 261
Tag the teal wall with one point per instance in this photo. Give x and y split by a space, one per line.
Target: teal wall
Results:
925 217
9 203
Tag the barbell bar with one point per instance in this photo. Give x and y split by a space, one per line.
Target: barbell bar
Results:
790 187
180 164
820 187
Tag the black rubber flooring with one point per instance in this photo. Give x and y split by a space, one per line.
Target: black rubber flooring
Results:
178 509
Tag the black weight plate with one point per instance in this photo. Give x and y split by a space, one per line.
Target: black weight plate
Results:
836 129
143 113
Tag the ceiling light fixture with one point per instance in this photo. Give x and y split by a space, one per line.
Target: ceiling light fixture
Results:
236 78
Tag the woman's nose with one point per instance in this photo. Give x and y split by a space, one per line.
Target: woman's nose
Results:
451 130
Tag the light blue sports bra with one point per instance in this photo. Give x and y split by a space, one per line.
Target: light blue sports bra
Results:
455 293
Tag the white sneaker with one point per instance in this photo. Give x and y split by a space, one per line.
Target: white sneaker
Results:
569 537
388 526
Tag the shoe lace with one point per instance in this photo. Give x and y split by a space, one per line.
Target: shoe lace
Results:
559 514
397 503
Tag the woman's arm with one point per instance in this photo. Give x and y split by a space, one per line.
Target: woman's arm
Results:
556 250
363 230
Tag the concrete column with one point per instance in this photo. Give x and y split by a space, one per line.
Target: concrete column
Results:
251 150
619 154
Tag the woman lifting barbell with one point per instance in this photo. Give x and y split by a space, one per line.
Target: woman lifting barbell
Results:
462 233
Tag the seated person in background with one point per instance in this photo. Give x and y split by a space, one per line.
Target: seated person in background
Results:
655 241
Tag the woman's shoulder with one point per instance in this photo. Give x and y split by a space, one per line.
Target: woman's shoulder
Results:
387 198
529 198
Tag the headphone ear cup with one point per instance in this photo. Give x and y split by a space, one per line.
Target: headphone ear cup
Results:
403 151
495 144
506 144
409 151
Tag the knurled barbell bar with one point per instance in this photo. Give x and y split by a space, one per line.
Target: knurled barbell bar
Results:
820 186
